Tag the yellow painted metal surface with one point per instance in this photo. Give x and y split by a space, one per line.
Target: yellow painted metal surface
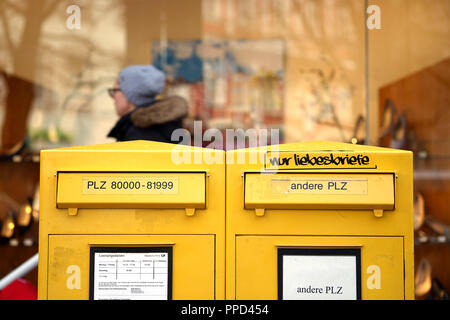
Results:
309 197
188 282
182 207
274 201
385 253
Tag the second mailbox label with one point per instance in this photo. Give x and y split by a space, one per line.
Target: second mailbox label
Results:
131 185
319 185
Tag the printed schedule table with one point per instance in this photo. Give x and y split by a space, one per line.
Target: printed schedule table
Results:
130 275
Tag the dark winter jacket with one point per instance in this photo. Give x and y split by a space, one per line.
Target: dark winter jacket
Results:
155 122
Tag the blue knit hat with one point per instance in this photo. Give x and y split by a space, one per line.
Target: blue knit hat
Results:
141 83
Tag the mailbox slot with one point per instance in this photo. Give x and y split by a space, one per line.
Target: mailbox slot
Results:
131 190
334 191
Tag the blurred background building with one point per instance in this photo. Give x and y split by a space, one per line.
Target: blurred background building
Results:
311 68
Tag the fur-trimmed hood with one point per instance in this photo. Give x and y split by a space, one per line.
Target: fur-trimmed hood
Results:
161 111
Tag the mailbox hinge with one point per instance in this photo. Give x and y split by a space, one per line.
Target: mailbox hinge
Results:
72 211
378 213
260 212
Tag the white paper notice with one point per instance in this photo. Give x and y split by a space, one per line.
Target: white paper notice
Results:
311 277
131 275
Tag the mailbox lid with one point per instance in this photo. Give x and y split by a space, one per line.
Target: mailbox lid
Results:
69 258
131 190
320 191
381 263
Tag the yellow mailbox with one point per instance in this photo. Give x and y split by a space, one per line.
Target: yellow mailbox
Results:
319 220
132 220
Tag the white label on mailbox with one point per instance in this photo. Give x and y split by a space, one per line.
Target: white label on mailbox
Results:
131 185
131 276
325 185
311 277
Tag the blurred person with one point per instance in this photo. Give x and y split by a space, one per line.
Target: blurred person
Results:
142 115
